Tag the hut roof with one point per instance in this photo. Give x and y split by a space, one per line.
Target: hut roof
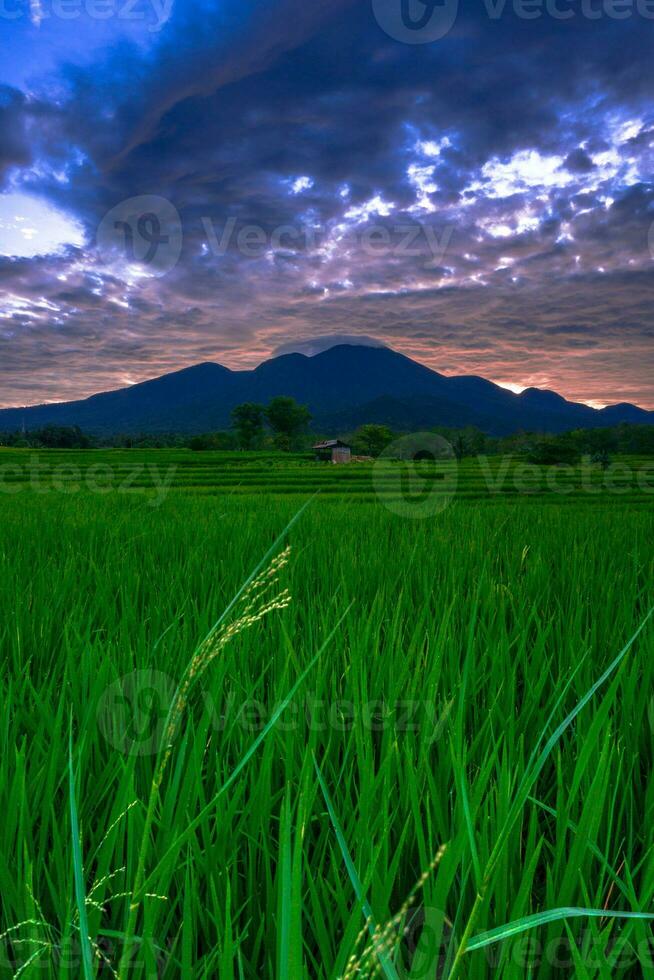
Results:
331 444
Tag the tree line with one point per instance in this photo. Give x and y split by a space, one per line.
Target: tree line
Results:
283 425
541 448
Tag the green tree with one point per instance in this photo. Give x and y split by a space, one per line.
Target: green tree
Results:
247 420
288 420
553 451
371 439
58 437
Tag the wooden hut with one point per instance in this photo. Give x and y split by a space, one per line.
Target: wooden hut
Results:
333 450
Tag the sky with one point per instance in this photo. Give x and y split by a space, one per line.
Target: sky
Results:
470 183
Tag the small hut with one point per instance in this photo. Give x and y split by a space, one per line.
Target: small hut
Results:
333 450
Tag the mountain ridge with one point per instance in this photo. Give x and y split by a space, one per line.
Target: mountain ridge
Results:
344 386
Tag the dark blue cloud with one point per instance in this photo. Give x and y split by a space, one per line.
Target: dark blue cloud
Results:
483 202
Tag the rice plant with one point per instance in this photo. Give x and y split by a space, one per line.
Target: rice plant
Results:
425 666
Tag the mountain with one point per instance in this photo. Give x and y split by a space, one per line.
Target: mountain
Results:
344 386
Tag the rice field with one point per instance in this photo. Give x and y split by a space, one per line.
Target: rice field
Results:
408 732
156 472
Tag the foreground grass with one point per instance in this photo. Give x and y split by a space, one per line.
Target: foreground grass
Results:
421 714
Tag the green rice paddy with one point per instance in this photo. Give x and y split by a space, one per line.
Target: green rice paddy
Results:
402 717
272 474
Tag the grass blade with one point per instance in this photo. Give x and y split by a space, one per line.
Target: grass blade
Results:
535 770
531 775
284 893
385 962
80 892
542 918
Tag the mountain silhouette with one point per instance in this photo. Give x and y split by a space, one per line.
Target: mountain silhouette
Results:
344 386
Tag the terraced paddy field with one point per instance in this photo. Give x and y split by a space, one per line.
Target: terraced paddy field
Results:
457 696
629 478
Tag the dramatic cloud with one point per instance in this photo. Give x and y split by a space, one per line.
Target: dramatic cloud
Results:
279 174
